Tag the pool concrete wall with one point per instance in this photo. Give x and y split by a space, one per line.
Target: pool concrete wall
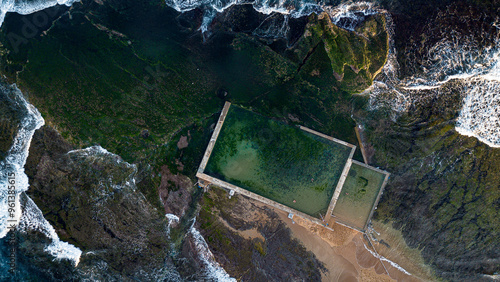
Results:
207 179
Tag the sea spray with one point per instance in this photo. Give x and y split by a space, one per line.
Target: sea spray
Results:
172 218
480 113
15 159
88 159
349 15
26 215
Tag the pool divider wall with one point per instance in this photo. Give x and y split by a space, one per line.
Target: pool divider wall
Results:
338 189
202 176
387 175
343 176
213 139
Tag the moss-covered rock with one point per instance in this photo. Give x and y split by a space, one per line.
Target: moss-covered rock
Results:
356 57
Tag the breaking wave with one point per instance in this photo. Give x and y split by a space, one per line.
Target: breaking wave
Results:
110 169
172 219
349 15
25 7
33 220
16 156
474 68
346 15
213 271
26 216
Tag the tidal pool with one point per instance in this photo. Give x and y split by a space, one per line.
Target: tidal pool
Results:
280 162
359 194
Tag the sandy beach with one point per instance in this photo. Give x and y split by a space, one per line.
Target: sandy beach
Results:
349 256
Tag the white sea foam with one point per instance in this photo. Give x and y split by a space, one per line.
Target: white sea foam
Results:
213 271
33 220
16 156
172 218
458 59
346 15
96 155
28 216
26 7
480 114
349 15
479 73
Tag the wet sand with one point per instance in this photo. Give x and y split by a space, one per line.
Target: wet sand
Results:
347 255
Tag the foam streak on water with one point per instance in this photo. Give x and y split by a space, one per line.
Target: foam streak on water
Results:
381 258
28 217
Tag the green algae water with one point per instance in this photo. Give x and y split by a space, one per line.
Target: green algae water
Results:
359 193
280 162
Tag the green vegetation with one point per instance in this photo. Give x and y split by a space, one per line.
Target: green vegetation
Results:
96 90
277 161
359 193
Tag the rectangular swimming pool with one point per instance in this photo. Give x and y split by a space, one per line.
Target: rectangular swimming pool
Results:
359 195
283 163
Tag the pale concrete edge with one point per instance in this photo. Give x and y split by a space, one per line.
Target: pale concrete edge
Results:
214 137
371 167
326 136
343 223
353 149
339 187
257 197
361 146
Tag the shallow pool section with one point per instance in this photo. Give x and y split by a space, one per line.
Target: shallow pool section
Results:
359 195
278 161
